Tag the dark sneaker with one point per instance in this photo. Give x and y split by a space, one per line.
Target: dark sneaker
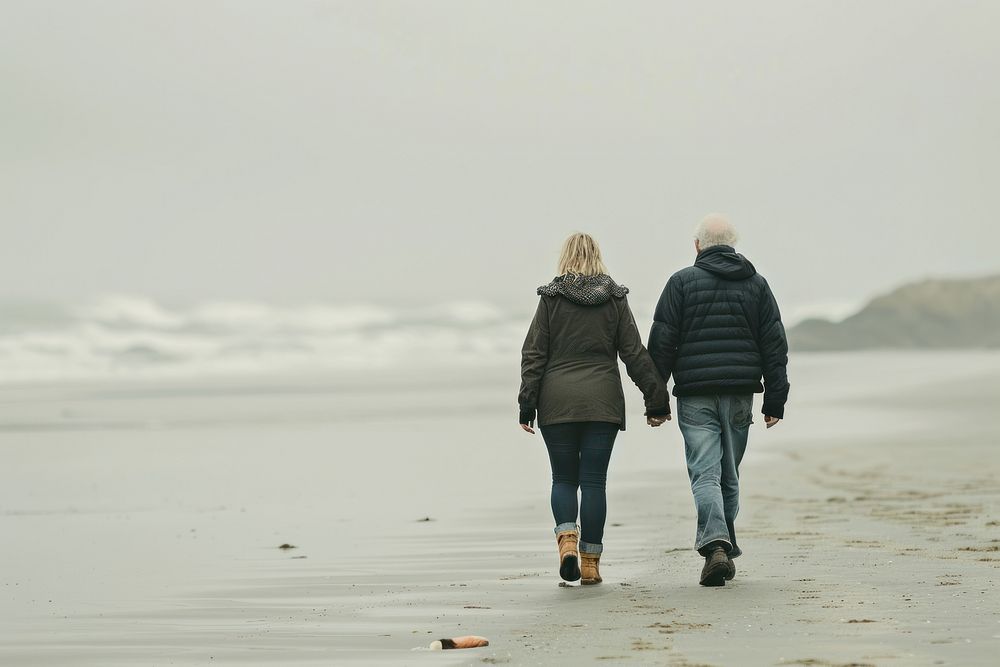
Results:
732 570
716 568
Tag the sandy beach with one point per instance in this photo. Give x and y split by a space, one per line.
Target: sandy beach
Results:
141 525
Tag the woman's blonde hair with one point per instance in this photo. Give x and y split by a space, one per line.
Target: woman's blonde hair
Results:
581 256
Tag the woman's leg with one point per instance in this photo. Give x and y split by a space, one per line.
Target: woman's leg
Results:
596 442
563 443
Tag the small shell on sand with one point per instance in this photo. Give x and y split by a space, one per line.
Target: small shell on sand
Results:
468 641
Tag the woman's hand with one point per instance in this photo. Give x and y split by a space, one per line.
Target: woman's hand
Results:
526 418
657 421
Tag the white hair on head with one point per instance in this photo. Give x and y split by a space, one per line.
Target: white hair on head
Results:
715 229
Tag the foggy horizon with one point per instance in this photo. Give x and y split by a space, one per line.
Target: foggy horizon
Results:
641 297
398 154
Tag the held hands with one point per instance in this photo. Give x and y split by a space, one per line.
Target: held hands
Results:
653 421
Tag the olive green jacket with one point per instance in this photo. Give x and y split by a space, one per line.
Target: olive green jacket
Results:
569 362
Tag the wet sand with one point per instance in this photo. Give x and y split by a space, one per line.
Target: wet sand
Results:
142 528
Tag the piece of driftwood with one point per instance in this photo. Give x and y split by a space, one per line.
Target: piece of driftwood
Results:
468 641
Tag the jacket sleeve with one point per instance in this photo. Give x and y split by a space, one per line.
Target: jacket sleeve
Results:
774 355
534 358
664 337
639 364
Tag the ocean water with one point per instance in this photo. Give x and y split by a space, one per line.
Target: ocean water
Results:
132 337
126 337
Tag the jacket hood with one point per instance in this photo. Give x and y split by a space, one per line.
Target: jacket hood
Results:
725 262
584 290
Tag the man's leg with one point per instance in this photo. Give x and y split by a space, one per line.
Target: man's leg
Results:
700 424
737 415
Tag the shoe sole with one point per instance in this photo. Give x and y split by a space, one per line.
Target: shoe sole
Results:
716 576
569 570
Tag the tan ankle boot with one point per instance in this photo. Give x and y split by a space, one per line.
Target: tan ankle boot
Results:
569 555
589 571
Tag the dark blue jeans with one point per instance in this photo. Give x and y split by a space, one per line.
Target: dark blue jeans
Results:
579 453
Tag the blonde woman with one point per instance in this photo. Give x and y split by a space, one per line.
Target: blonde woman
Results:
570 380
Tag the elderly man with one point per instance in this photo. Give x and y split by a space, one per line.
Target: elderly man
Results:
717 331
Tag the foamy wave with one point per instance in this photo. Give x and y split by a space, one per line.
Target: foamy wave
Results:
127 336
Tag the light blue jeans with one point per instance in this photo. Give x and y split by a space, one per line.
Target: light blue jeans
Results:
715 430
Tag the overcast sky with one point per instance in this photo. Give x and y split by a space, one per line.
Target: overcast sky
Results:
430 151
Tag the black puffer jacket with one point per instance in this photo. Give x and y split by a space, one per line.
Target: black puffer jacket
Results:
717 330
569 362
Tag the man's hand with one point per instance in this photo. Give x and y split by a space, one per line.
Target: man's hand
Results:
771 421
657 421
527 427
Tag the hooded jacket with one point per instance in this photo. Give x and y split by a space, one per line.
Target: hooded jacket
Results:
569 361
717 330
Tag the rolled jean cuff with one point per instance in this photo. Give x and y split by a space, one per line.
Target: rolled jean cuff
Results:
704 543
588 548
563 527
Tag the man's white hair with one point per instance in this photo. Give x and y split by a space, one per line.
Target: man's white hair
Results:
715 229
